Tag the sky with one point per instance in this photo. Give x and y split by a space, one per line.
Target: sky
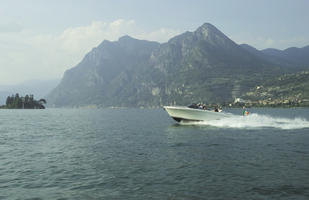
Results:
41 39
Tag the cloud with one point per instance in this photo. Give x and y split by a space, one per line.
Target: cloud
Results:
26 54
161 35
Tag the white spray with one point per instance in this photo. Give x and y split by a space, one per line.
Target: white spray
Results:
254 121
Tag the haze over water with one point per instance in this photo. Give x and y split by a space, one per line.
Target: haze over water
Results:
143 154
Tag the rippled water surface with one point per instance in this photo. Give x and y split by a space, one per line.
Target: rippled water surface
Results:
143 154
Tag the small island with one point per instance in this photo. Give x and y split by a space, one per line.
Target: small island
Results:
26 102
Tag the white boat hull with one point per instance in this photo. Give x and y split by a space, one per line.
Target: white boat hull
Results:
180 113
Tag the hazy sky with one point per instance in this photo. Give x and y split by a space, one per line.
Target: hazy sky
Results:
40 39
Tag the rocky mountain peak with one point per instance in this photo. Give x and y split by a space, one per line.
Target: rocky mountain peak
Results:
214 36
207 27
208 30
126 38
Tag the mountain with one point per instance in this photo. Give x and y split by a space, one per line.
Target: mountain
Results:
103 73
39 88
204 65
293 59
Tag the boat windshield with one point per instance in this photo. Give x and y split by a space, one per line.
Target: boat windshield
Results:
198 106
204 107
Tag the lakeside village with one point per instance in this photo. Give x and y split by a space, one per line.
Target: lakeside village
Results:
286 103
26 102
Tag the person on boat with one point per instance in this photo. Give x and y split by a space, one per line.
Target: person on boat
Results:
218 109
244 111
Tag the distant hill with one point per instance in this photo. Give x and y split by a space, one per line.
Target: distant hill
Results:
294 59
299 57
204 65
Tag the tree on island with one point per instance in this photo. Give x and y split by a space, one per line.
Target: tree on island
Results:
27 102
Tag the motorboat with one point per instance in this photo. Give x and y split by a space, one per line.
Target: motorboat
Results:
187 114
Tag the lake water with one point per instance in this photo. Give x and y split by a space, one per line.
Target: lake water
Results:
144 154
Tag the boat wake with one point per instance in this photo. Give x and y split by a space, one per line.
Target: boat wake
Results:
254 121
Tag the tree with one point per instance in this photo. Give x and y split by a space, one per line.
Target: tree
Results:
17 101
9 101
28 102
27 99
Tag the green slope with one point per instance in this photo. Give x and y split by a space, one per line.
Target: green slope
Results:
289 89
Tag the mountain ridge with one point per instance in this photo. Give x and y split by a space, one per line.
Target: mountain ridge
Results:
203 65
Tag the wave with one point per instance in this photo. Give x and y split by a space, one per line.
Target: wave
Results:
254 121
